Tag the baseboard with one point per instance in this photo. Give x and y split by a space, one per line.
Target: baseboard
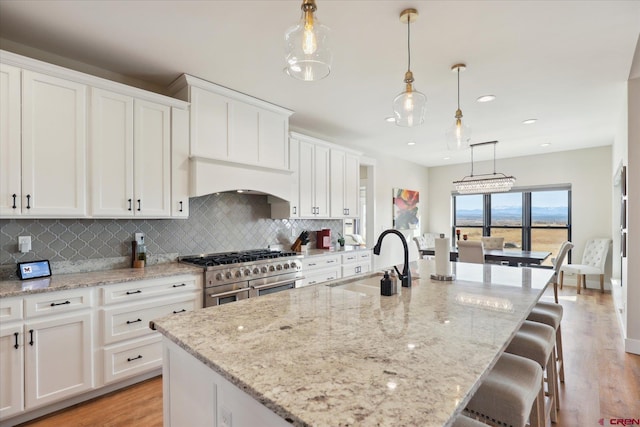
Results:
632 346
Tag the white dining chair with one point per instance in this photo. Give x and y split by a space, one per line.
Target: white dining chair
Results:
492 242
471 251
558 263
421 243
593 260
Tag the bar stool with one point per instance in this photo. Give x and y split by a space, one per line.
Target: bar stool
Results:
511 394
536 342
463 421
551 314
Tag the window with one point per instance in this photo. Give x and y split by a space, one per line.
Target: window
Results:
535 219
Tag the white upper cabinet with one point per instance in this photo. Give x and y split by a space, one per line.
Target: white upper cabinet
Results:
111 149
65 155
152 159
232 127
179 163
130 156
345 182
10 142
314 180
53 146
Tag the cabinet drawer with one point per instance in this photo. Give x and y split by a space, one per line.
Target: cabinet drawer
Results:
364 255
318 262
349 258
57 302
353 269
133 358
321 276
132 320
145 289
10 309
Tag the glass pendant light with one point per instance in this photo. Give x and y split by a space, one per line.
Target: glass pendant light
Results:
459 134
306 45
410 105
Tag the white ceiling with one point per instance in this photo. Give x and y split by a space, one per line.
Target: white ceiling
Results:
562 62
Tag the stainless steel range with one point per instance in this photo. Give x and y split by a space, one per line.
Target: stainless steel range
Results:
233 276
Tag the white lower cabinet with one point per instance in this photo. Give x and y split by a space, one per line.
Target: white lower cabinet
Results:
130 347
58 357
11 370
132 358
58 346
356 262
320 268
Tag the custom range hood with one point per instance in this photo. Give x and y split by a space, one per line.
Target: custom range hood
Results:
236 141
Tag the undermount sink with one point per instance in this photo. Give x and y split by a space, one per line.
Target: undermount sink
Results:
360 288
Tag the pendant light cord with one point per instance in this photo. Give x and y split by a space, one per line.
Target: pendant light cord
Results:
458 88
409 42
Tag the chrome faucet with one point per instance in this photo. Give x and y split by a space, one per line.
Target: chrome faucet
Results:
406 273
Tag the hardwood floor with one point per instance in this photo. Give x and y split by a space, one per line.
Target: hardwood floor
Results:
601 380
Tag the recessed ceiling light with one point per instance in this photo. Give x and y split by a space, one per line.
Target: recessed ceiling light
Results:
411 143
446 158
529 121
390 119
486 98
546 144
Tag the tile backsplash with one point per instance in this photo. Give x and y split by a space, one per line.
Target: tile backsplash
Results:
217 223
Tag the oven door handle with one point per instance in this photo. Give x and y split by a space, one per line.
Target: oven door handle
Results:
228 293
274 284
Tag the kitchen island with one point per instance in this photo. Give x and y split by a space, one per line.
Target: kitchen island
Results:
341 354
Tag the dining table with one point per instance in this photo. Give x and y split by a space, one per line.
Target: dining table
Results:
341 354
508 256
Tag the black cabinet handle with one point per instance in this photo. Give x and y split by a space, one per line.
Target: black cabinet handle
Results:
28 201
179 311
180 206
295 210
15 334
129 200
53 304
139 205
133 321
134 292
180 285
131 359
14 200
30 336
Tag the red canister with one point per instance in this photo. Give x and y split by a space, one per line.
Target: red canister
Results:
323 239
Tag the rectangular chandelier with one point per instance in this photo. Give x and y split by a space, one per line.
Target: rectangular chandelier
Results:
493 183
484 183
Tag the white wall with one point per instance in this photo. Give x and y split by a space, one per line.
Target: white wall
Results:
393 173
632 264
589 172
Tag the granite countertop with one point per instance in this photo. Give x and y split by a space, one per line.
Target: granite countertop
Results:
59 282
344 355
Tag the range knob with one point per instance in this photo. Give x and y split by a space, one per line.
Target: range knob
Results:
279 267
256 270
219 276
247 272
295 265
238 273
228 275
272 268
263 269
285 265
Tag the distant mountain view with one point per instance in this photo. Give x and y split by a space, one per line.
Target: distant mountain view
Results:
540 215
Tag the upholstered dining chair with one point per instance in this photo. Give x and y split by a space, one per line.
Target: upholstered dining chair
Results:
471 251
421 243
593 259
557 265
492 242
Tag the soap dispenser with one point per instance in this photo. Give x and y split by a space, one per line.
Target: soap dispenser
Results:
387 286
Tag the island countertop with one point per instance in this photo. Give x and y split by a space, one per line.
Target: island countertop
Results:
329 355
